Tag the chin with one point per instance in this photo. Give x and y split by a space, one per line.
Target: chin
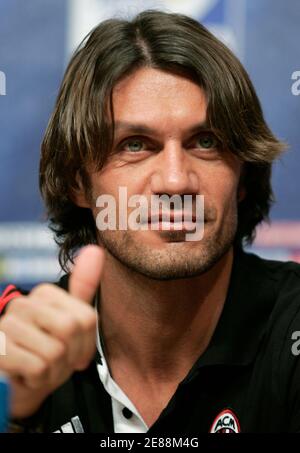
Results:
166 255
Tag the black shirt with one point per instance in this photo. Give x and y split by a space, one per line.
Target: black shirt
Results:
248 368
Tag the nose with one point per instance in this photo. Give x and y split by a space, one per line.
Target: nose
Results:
174 172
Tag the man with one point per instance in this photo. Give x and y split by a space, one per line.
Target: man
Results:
191 335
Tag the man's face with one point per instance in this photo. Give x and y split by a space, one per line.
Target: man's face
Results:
162 146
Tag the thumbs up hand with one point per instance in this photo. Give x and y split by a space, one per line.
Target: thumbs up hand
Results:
50 334
86 274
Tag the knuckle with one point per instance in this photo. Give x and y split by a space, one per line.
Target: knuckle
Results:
43 289
57 353
17 305
84 362
89 320
68 326
8 323
39 370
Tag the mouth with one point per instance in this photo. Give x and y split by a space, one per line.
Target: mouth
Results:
175 223
172 217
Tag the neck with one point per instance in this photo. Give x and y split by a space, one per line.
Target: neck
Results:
157 329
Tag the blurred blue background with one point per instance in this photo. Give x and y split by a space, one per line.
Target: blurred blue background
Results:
37 38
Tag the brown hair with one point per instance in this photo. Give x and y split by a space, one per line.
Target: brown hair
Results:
81 128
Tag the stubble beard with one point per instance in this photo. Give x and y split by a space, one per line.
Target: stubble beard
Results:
176 259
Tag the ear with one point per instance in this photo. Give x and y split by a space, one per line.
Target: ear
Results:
241 193
79 194
80 200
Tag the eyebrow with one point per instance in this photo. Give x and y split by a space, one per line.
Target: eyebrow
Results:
140 128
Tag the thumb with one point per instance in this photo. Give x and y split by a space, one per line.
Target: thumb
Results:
85 278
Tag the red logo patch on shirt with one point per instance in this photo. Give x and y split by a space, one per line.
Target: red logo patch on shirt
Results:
225 422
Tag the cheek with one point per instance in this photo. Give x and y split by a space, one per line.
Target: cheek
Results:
222 190
110 181
103 183
118 173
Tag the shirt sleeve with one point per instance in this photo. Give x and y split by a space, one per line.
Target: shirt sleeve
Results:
9 293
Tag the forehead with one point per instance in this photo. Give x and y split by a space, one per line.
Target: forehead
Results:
160 98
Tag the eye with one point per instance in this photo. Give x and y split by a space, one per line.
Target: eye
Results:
133 145
207 141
